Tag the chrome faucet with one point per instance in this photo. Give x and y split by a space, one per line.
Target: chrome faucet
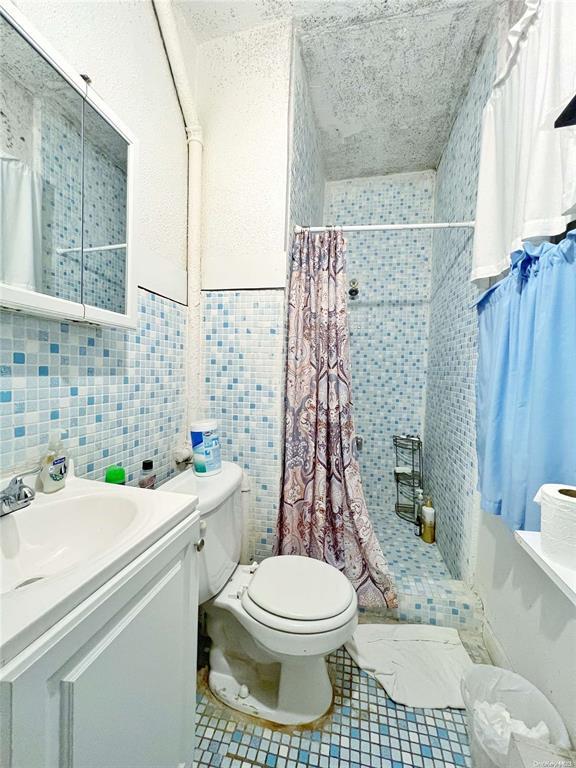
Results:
15 496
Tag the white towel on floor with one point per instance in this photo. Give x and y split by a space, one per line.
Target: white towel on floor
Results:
417 665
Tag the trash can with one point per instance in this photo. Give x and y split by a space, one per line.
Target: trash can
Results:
488 747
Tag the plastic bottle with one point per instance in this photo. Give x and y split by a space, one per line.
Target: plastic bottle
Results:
147 477
419 505
206 447
53 466
428 521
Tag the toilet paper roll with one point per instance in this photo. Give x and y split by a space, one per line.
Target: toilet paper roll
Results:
558 523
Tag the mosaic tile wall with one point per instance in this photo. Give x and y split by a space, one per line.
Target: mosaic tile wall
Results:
389 319
61 170
243 366
115 395
450 456
306 169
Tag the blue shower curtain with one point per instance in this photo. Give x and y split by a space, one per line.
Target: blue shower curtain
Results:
526 382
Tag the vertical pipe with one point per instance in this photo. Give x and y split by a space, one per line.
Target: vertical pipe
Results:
194 138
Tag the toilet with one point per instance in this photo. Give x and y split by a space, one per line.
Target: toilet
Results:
271 624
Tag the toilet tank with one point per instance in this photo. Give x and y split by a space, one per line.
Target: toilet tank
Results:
220 506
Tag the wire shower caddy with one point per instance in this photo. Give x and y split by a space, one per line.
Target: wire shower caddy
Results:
409 476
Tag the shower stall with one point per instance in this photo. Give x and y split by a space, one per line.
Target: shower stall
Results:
389 316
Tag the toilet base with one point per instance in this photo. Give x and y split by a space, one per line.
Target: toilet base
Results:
289 693
290 690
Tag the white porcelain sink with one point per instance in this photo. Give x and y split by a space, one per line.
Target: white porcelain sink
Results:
51 538
64 546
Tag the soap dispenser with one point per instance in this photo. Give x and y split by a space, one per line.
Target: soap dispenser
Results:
54 466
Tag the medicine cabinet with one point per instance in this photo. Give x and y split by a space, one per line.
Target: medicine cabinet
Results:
66 167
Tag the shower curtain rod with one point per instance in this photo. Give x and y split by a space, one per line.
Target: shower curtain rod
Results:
113 247
390 227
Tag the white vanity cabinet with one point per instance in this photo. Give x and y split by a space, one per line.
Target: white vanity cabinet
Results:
113 684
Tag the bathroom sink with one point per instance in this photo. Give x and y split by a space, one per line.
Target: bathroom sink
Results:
57 536
64 546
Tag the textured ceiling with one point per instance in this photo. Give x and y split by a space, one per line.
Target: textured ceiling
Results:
386 76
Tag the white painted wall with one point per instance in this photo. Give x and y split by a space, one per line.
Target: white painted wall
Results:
119 46
531 625
243 103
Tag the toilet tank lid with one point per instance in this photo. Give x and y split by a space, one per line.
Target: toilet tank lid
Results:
212 490
296 587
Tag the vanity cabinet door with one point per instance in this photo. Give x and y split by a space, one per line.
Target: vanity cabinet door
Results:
123 697
121 700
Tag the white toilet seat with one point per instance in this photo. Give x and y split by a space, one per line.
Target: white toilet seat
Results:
299 595
301 588
295 626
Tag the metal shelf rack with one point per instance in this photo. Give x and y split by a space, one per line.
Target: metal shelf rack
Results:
408 474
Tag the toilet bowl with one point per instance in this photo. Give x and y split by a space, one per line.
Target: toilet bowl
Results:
272 627
271 624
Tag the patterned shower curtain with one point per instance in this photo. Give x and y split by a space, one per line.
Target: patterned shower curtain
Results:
323 513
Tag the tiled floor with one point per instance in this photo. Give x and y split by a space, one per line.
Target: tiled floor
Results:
409 557
427 592
364 730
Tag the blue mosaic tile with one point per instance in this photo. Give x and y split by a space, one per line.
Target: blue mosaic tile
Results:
243 373
117 408
61 164
365 729
389 319
427 592
450 436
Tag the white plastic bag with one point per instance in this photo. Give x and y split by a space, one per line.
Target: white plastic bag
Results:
490 728
493 726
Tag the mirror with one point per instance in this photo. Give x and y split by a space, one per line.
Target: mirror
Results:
104 219
63 189
40 172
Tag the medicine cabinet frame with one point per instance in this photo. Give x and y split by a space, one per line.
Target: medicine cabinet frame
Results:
33 302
